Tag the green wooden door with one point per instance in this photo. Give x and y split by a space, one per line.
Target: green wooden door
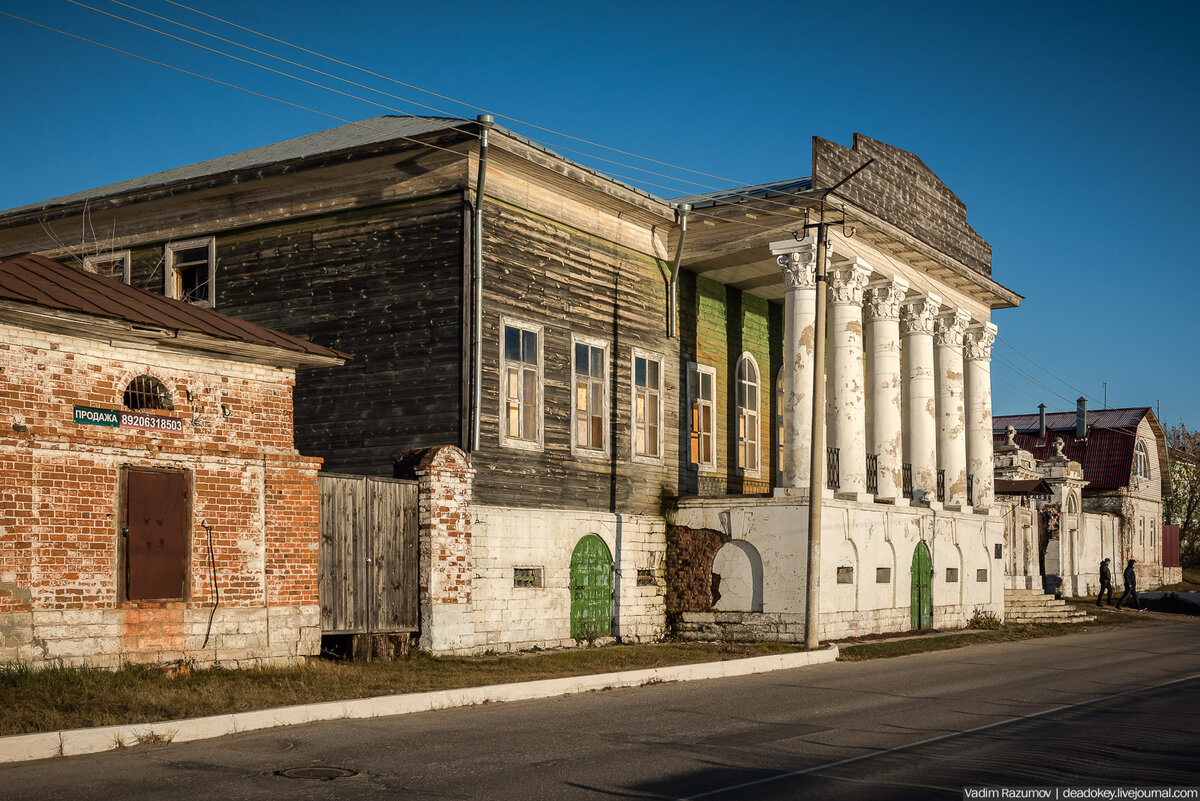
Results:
591 589
922 588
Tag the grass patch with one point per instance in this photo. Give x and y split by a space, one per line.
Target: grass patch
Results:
49 699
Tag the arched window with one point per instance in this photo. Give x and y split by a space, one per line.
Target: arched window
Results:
1141 462
748 414
1072 505
147 392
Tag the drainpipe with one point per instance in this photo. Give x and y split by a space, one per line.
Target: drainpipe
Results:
485 123
681 213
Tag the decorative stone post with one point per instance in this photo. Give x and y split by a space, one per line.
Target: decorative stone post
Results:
916 326
799 263
883 300
977 350
847 404
952 435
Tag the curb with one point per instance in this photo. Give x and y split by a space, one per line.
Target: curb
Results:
72 742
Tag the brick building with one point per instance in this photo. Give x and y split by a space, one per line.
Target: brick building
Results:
153 507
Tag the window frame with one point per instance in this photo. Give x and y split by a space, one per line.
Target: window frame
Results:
171 287
649 356
1141 460
747 358
90 263
537 443
605 404
698 369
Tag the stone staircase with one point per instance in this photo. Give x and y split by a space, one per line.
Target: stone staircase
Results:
1031 606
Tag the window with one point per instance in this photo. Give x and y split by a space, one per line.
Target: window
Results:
527 577
779 427
645 578
147 392
191 271
647 406
748 415
883 575
109 265
981 574
1141 462
845 575
1141 531
951 575
589 412
521 385
1152 531
702 393
1072 505
156 510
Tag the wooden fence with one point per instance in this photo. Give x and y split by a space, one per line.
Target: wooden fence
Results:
368 558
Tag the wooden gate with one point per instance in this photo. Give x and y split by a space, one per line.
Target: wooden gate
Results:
922 588
368 557
591 589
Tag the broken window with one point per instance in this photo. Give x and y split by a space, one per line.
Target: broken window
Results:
645 578
191 271
702 382
521 379
527 577
589 417
109 265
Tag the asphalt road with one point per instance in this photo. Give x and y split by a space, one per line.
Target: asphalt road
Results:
1115 707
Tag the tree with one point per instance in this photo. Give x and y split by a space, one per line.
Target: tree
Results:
1182 504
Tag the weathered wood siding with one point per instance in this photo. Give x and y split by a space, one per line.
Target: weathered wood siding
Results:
383 284
570 282
368 580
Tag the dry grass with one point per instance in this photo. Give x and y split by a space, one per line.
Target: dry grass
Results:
68 698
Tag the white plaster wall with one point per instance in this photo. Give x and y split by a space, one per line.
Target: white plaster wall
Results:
508 618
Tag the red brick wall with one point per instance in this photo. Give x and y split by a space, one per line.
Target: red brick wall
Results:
690 554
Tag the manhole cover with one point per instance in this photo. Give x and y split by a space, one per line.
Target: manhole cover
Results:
319 772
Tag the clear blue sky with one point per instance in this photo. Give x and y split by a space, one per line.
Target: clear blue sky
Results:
1069 130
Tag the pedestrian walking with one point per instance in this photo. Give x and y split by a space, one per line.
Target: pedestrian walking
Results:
1130 578
1105 582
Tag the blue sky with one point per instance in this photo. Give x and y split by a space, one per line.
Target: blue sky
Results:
1069 130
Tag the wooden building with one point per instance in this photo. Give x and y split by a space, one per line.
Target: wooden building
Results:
505 300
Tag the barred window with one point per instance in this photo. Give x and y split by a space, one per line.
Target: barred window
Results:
147 392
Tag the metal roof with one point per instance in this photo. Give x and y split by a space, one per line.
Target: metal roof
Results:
39 281
771 190
1105 453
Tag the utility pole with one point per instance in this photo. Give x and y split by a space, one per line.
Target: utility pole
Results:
816 478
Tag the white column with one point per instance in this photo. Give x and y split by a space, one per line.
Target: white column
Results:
847 413
952 434
883 300
799 263
977 349
920 418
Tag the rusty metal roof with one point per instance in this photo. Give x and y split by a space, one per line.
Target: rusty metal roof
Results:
1105 453
42 282
1022 486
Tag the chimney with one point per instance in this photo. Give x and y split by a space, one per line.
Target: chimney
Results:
1081 417
1041 421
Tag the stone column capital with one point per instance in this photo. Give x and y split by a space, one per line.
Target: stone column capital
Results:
884 297
950 327
978 341
919 311
847 282
799 266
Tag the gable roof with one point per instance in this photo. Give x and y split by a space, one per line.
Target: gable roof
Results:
1105 452
34 281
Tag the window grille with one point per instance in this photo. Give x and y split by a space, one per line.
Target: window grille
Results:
833 477
906 480
147 392
941 486
872 473
971 490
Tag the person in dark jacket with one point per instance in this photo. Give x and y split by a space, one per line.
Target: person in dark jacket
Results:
1105 582
1130 578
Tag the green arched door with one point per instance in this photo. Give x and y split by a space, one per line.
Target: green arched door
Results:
922 588
591 589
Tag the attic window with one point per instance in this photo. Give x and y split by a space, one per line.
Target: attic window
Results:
110 265
191 271
147 392
1141 462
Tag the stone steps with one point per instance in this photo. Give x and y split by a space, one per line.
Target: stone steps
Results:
1030 606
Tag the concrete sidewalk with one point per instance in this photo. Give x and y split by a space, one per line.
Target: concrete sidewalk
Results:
24 747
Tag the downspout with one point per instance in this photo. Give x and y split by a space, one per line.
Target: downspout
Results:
681 213
485 123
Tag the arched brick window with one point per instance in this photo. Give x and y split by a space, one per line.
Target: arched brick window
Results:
147 392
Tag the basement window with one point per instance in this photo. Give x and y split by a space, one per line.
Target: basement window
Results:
527 577
883 575
981 575
951 575
191 271
845 575
645 578
147 392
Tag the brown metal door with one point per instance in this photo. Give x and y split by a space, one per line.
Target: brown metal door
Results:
156 526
